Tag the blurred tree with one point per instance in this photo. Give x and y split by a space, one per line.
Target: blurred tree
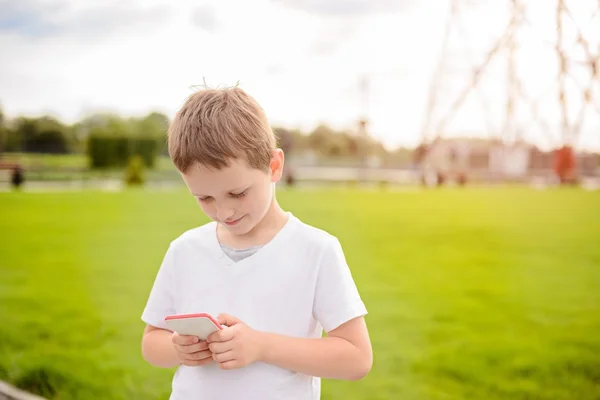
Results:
154 124
352 144
321 139
107 122
285 140
47 134
37 135
300 140
24 130
106 148
52 137
11 140
49 141
3 132
365 146
376 148
400 157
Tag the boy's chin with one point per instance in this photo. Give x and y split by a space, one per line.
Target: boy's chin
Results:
239 229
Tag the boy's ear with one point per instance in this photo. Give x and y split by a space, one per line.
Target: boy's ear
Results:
277 161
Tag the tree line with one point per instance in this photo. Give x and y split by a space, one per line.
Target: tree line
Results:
110 140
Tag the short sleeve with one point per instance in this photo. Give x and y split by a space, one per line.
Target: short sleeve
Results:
161 300
337 299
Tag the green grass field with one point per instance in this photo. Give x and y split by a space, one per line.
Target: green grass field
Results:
473 294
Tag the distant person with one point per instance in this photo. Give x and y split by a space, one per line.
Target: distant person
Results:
17 177
273 281
565 164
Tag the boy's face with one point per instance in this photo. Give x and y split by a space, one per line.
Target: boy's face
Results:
237 197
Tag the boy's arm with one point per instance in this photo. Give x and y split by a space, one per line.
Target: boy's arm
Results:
345 353
166 349
158 349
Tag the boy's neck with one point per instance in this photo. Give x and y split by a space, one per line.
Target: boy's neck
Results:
273 221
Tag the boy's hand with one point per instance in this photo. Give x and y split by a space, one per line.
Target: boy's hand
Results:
236 345
191 350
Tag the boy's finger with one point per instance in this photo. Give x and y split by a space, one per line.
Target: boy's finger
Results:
223 357
228 320
203 345
219 347
192 348
184 340
223 335
200 355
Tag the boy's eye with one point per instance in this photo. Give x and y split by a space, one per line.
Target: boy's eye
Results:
204 198
238 195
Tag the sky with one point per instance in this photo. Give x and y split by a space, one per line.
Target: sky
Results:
305 61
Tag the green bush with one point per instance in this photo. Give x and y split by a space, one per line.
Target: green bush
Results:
146 148
106 150
134 173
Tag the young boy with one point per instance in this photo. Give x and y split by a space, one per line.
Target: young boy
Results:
275 282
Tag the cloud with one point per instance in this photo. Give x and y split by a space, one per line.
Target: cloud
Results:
204 17
274 69
67 57
43 19
332 35
28 17
345 8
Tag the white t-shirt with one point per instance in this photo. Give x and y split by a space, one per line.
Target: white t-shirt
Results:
298 284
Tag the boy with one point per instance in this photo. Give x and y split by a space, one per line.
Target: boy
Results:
274 282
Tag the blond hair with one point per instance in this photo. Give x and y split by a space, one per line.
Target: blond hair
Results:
215 126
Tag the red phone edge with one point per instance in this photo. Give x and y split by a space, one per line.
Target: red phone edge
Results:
196 315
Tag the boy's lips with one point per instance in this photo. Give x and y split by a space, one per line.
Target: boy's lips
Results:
234 222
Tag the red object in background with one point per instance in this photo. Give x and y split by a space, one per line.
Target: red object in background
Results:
565 164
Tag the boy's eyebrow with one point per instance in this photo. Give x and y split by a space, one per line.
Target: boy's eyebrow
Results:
237 190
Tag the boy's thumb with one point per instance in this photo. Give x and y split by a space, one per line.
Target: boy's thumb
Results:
227 320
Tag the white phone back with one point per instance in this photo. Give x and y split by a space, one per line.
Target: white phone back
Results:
198 326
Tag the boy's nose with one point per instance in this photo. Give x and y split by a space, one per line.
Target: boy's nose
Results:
224 214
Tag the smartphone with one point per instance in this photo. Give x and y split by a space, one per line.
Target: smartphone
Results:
201 325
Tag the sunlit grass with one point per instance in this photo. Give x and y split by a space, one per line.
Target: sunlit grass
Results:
472 294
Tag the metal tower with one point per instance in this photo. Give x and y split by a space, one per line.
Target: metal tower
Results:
575 89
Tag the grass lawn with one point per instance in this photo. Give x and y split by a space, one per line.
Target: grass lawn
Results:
473 294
